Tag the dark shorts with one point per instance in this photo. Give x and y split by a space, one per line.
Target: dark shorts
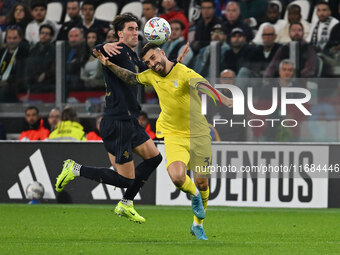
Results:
121 136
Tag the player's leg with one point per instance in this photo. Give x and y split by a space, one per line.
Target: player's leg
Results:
177 156
118 145
122 176
200 160
177 173
152 158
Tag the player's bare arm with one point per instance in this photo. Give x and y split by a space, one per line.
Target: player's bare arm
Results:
125 75
203 87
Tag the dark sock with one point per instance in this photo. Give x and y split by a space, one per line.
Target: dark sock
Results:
142 173
105 175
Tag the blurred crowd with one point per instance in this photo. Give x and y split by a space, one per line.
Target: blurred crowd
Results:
254 37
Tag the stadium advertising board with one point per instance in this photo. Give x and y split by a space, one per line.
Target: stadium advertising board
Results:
25 162
259 175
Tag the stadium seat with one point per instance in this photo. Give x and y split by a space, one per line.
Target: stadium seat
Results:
305 7
106 11
136 8
194 11
54 11
67 18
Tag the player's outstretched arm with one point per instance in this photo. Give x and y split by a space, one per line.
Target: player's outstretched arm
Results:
210 91
125 75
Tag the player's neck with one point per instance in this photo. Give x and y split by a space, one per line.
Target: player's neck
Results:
131 47
168 67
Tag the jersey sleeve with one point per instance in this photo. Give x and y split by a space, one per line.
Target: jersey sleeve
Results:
194 78
145 78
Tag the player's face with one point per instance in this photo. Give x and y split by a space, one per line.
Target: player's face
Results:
31 116
323 12
155 60
129 34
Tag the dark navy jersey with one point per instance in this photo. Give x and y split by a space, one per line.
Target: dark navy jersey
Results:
121 98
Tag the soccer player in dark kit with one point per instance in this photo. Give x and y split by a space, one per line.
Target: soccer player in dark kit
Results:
119 128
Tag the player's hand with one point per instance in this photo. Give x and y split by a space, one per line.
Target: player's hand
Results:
112 48
102 59
183 53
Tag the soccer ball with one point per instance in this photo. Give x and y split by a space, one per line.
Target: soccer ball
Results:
35 191
157 30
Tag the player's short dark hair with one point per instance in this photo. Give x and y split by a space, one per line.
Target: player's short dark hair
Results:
32 107
153 3
48 27
39 3
209 1
296 23
147 47
177 21
120 20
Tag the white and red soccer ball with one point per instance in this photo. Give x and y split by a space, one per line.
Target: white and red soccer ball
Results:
157 30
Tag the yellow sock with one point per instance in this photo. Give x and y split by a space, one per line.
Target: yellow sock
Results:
205 198
188 186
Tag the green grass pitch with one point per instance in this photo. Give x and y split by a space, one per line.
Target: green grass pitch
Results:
94 229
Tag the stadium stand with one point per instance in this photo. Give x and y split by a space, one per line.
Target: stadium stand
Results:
327 64
135 8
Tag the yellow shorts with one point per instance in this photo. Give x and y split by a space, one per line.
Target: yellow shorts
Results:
194 152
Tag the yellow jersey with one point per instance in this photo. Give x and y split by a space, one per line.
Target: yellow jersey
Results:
179 101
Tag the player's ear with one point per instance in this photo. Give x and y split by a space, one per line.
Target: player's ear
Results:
120 34
162 52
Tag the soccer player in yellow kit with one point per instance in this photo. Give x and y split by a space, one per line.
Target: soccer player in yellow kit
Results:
185 130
